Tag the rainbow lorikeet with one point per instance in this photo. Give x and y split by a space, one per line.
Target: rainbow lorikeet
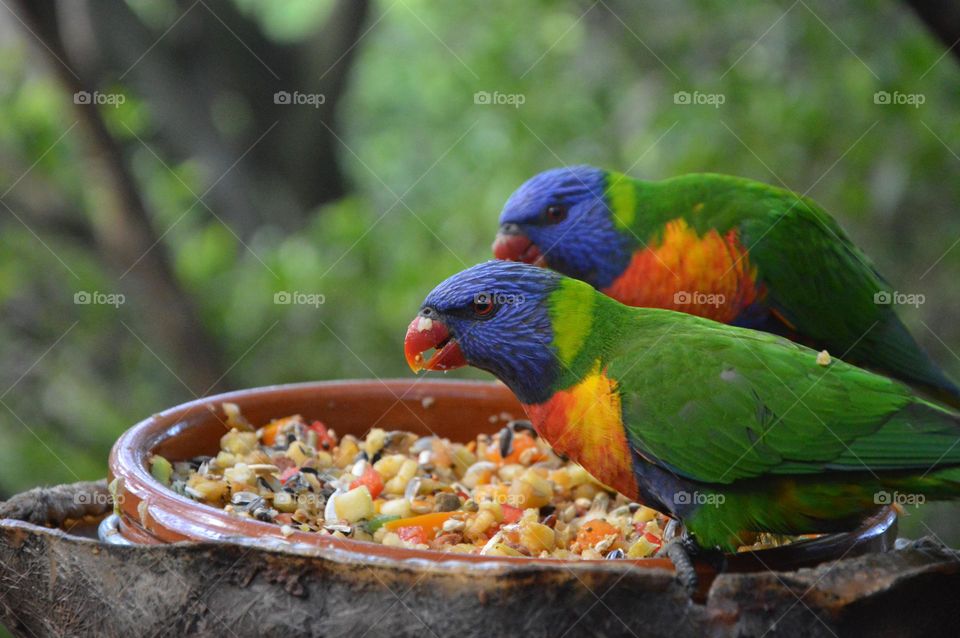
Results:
726 248
732 431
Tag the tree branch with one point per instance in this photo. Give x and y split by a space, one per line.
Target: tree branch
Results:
125 233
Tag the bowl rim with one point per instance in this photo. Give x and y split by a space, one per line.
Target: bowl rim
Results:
143 502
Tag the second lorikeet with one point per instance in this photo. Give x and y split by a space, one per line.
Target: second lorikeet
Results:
726 248
732 431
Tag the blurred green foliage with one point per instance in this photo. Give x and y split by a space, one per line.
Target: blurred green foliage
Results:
430 169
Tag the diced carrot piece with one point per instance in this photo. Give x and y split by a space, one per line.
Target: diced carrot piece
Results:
268 435
430 523
592 532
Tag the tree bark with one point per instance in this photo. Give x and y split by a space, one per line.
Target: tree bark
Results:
125 234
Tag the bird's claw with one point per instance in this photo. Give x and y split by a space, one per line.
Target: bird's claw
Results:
682 550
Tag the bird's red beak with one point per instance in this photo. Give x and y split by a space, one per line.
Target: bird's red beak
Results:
424 334
513 246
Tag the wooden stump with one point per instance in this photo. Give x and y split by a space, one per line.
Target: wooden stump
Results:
53 583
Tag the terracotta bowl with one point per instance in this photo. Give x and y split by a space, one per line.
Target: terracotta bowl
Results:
149 513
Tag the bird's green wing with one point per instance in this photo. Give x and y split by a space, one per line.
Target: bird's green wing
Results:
828 289
717 403
820 284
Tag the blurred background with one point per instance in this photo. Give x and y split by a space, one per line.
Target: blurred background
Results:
173 172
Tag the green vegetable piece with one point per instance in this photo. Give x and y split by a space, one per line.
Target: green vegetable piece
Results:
378 521
161 469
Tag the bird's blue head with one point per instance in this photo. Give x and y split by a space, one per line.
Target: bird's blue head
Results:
562 218
493 316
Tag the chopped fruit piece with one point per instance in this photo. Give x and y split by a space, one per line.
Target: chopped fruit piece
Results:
511 514
355 505
372 479
325 440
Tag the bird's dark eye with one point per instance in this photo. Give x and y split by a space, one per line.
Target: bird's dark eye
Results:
556 213
483 305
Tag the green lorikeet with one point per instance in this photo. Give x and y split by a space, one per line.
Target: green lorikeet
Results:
730 430
729 249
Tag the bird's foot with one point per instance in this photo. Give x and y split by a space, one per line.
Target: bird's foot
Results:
683 550
686 573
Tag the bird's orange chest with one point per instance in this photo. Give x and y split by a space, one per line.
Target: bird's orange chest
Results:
709 276
585 423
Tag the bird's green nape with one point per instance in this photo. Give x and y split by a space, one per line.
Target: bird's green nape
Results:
586 326
621 196
571 308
